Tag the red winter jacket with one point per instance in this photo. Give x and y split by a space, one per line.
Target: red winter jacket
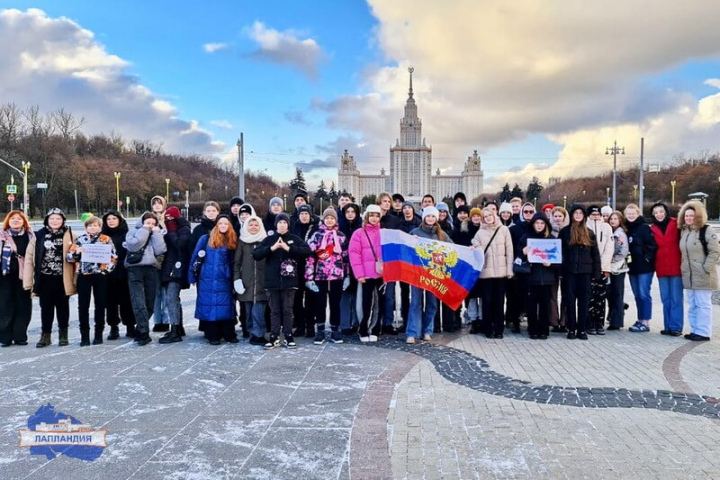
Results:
667 258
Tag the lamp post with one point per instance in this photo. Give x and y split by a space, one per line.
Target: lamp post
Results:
614 151
26 197
167 191
285 201
200 187
564 201
672 189
635 187
117 188
607 194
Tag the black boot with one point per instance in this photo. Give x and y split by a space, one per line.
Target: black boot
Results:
131 332
181 330
144 339
114 333
84 337
172 336
63 338
476 327
45 341
98 340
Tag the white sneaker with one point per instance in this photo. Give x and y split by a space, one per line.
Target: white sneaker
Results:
373 338
427 338
410 340
364 339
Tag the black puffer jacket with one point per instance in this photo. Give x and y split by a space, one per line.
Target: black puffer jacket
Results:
642 247
390 222
117 235
282 268
177 258
539 273
205 227
409 225
579 259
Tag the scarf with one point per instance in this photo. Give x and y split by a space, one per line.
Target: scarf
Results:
9 248
331 234
171 225
247 237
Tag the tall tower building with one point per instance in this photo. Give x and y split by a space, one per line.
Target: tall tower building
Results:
411 167
411 159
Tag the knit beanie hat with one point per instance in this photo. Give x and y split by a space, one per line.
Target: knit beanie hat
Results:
305 208
606 210
236 201
430 210
330 212
574 207
397 196
547 206
246 208
505 207
593 209
275 200
173 212
475 211
462 208
282 217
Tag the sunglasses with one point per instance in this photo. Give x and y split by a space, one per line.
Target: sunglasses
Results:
528 211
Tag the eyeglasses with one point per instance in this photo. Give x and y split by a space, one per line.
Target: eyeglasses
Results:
528 211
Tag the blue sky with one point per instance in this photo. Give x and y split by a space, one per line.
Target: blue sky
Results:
533 100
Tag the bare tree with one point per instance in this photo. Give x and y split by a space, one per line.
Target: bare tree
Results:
66 123
11 124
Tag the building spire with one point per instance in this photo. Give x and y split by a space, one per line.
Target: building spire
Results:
411 70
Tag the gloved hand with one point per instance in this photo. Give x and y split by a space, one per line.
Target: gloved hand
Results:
239 287
346 283
312 286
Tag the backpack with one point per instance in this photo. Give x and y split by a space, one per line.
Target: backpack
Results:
703 240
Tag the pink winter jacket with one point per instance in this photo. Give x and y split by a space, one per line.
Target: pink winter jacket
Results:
362 259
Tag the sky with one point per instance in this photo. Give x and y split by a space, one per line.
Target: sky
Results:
538 88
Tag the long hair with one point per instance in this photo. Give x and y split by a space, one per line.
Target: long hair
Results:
227 239
442 236
621 220
579 233
12 213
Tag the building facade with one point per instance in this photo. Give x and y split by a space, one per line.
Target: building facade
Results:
410 167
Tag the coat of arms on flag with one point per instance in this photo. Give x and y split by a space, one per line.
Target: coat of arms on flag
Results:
447 270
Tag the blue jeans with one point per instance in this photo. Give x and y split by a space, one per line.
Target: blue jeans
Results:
348 310
389 316
640 285
671 294
418 315
171 295
255 314
474 309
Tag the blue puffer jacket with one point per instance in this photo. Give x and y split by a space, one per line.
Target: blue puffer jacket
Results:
215 299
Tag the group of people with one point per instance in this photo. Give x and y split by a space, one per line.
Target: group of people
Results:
288 271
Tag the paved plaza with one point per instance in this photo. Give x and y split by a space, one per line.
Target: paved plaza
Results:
620 406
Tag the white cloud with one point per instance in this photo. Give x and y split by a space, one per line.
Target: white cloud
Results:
215 47
490 73
286 48
54 62
224 124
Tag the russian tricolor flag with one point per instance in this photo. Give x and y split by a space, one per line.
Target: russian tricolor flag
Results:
448 271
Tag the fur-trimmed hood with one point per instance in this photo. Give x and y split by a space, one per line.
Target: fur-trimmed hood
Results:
701 216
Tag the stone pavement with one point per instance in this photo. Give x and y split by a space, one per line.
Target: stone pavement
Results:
622 406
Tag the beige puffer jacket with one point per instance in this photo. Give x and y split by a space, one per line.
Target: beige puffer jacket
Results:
605 243
499 256
698 270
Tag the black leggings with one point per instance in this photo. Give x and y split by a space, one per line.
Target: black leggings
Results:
331 289
367 325
53 299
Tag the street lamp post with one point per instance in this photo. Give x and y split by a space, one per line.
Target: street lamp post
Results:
564 201
167 190
614 151
26 197
607 194
635 187
285 201
117 189
200 187
672 195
